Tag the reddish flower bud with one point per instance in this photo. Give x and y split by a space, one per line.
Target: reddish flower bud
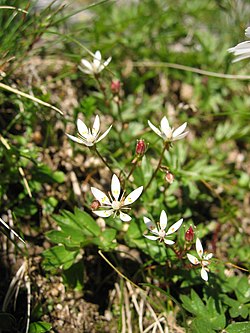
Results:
189 234
140 147
169 177
95 205
115 87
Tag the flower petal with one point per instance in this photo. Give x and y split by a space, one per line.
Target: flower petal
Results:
74 138
151 237
179 130
164 124
204 274
155 129
168 241
97 60
87 64
125 217
174 227
199 248
104 134
103 213
163 220
247 32
133 196
100 196
115 187
96 126
151 226
193 259
107 62
82 128
208 256
181 136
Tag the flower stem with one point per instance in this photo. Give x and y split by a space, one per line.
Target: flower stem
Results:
103 160
133 168
102 89
166 147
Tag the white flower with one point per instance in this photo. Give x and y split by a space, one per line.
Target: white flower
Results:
160 233
87 136
96 66
241 50
116 202
167 133
204 259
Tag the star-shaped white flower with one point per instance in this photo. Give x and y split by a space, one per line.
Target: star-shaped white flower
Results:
204 259
116 202
87 136
159 232
95 67
167 133
242 50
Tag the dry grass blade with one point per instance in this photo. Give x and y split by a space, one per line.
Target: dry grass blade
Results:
11 230
34 99
14 8
14 285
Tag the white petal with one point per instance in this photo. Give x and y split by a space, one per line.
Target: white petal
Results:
133 196
165 125
208 256
174 227
163 220
97 60
193 259
125 217
104 134
100 196
107 61
204 274
87 64
86 71
74 138
151 237
247 32
199 248
103 213
179 130
115 187
155 129
168 241
181 136
96 126
151 226
82 128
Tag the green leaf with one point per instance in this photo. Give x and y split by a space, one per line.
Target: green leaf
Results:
243 327
194 304
134 238
199 325
106 240
74 276
40 327
58 257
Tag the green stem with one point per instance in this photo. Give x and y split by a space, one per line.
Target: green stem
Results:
103 160
166 147
102 89
133 168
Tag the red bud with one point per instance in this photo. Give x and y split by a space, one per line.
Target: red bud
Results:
189 235
169 177
140 147
115 87
95 205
